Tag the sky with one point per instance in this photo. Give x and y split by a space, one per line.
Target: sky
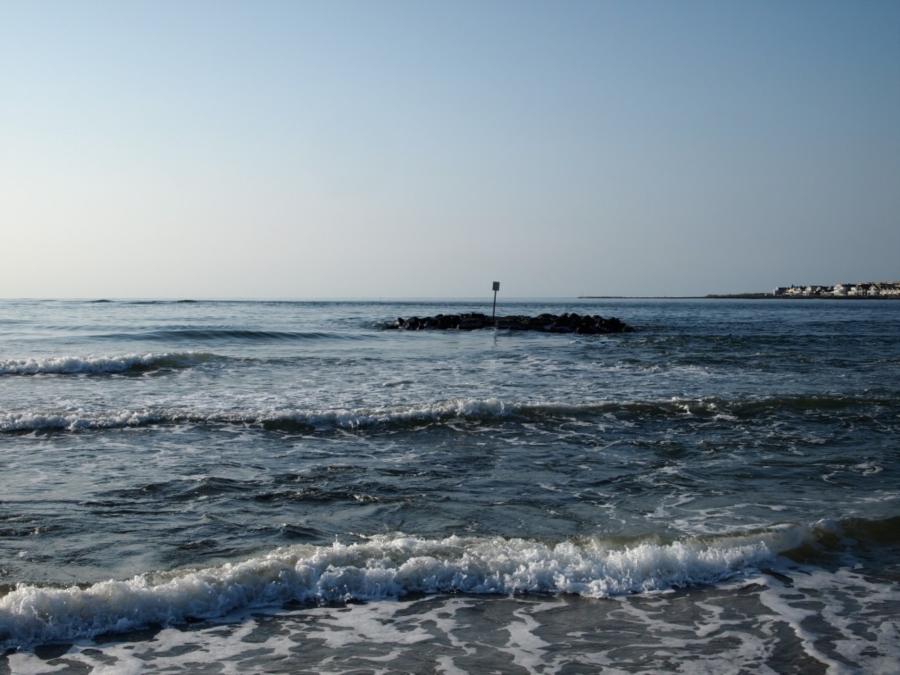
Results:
423 149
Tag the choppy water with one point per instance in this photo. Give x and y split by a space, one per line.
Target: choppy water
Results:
277 486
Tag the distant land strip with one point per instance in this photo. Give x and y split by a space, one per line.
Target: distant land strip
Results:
738 296
772 296
864 290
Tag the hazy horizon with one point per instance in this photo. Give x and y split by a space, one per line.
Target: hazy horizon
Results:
403 150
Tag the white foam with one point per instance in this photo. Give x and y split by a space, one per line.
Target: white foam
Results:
382 567
527 649
341 418
849 608
275 417
445 410
77 420
97 365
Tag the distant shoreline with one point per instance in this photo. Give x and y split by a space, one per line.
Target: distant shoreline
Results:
736 296
770 296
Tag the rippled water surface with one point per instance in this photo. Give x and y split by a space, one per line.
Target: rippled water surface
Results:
288 487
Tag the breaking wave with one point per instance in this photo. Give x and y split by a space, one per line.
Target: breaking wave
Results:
103 365
462 409
394 566
305 420
384 566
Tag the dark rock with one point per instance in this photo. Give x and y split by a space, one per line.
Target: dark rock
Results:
583 324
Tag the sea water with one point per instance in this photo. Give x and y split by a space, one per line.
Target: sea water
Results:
289 487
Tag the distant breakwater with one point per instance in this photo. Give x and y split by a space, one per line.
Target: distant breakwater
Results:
584 324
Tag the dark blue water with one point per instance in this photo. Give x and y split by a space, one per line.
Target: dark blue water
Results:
206 485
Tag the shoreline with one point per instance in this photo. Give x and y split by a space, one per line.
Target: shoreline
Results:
736 296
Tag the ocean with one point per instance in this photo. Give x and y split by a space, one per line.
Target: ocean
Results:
287 487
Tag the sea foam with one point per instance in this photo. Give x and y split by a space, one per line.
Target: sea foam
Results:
102 365
286 419
380 567
470 409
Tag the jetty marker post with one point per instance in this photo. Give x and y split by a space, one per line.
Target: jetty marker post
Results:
494 310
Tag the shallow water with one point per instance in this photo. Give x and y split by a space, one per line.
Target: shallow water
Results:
219 485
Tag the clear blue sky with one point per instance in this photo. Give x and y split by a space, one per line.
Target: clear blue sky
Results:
305 149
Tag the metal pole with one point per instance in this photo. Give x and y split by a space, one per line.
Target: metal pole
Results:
494 310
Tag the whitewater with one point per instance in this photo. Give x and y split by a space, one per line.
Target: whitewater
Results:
287 486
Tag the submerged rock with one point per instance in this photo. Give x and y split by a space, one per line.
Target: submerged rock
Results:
584 324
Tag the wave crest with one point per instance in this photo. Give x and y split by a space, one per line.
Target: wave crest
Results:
103 365
468 409
382 567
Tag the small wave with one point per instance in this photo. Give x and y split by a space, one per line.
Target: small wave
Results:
103 365
492 409
73 421
307 420
474 410
381 567
143 302
219 334
749 408
806 403
471 410
834 533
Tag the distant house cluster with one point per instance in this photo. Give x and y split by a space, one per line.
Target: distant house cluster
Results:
869 289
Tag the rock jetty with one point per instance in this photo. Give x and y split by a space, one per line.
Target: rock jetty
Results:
583 324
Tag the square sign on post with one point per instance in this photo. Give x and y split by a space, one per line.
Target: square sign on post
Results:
494 310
